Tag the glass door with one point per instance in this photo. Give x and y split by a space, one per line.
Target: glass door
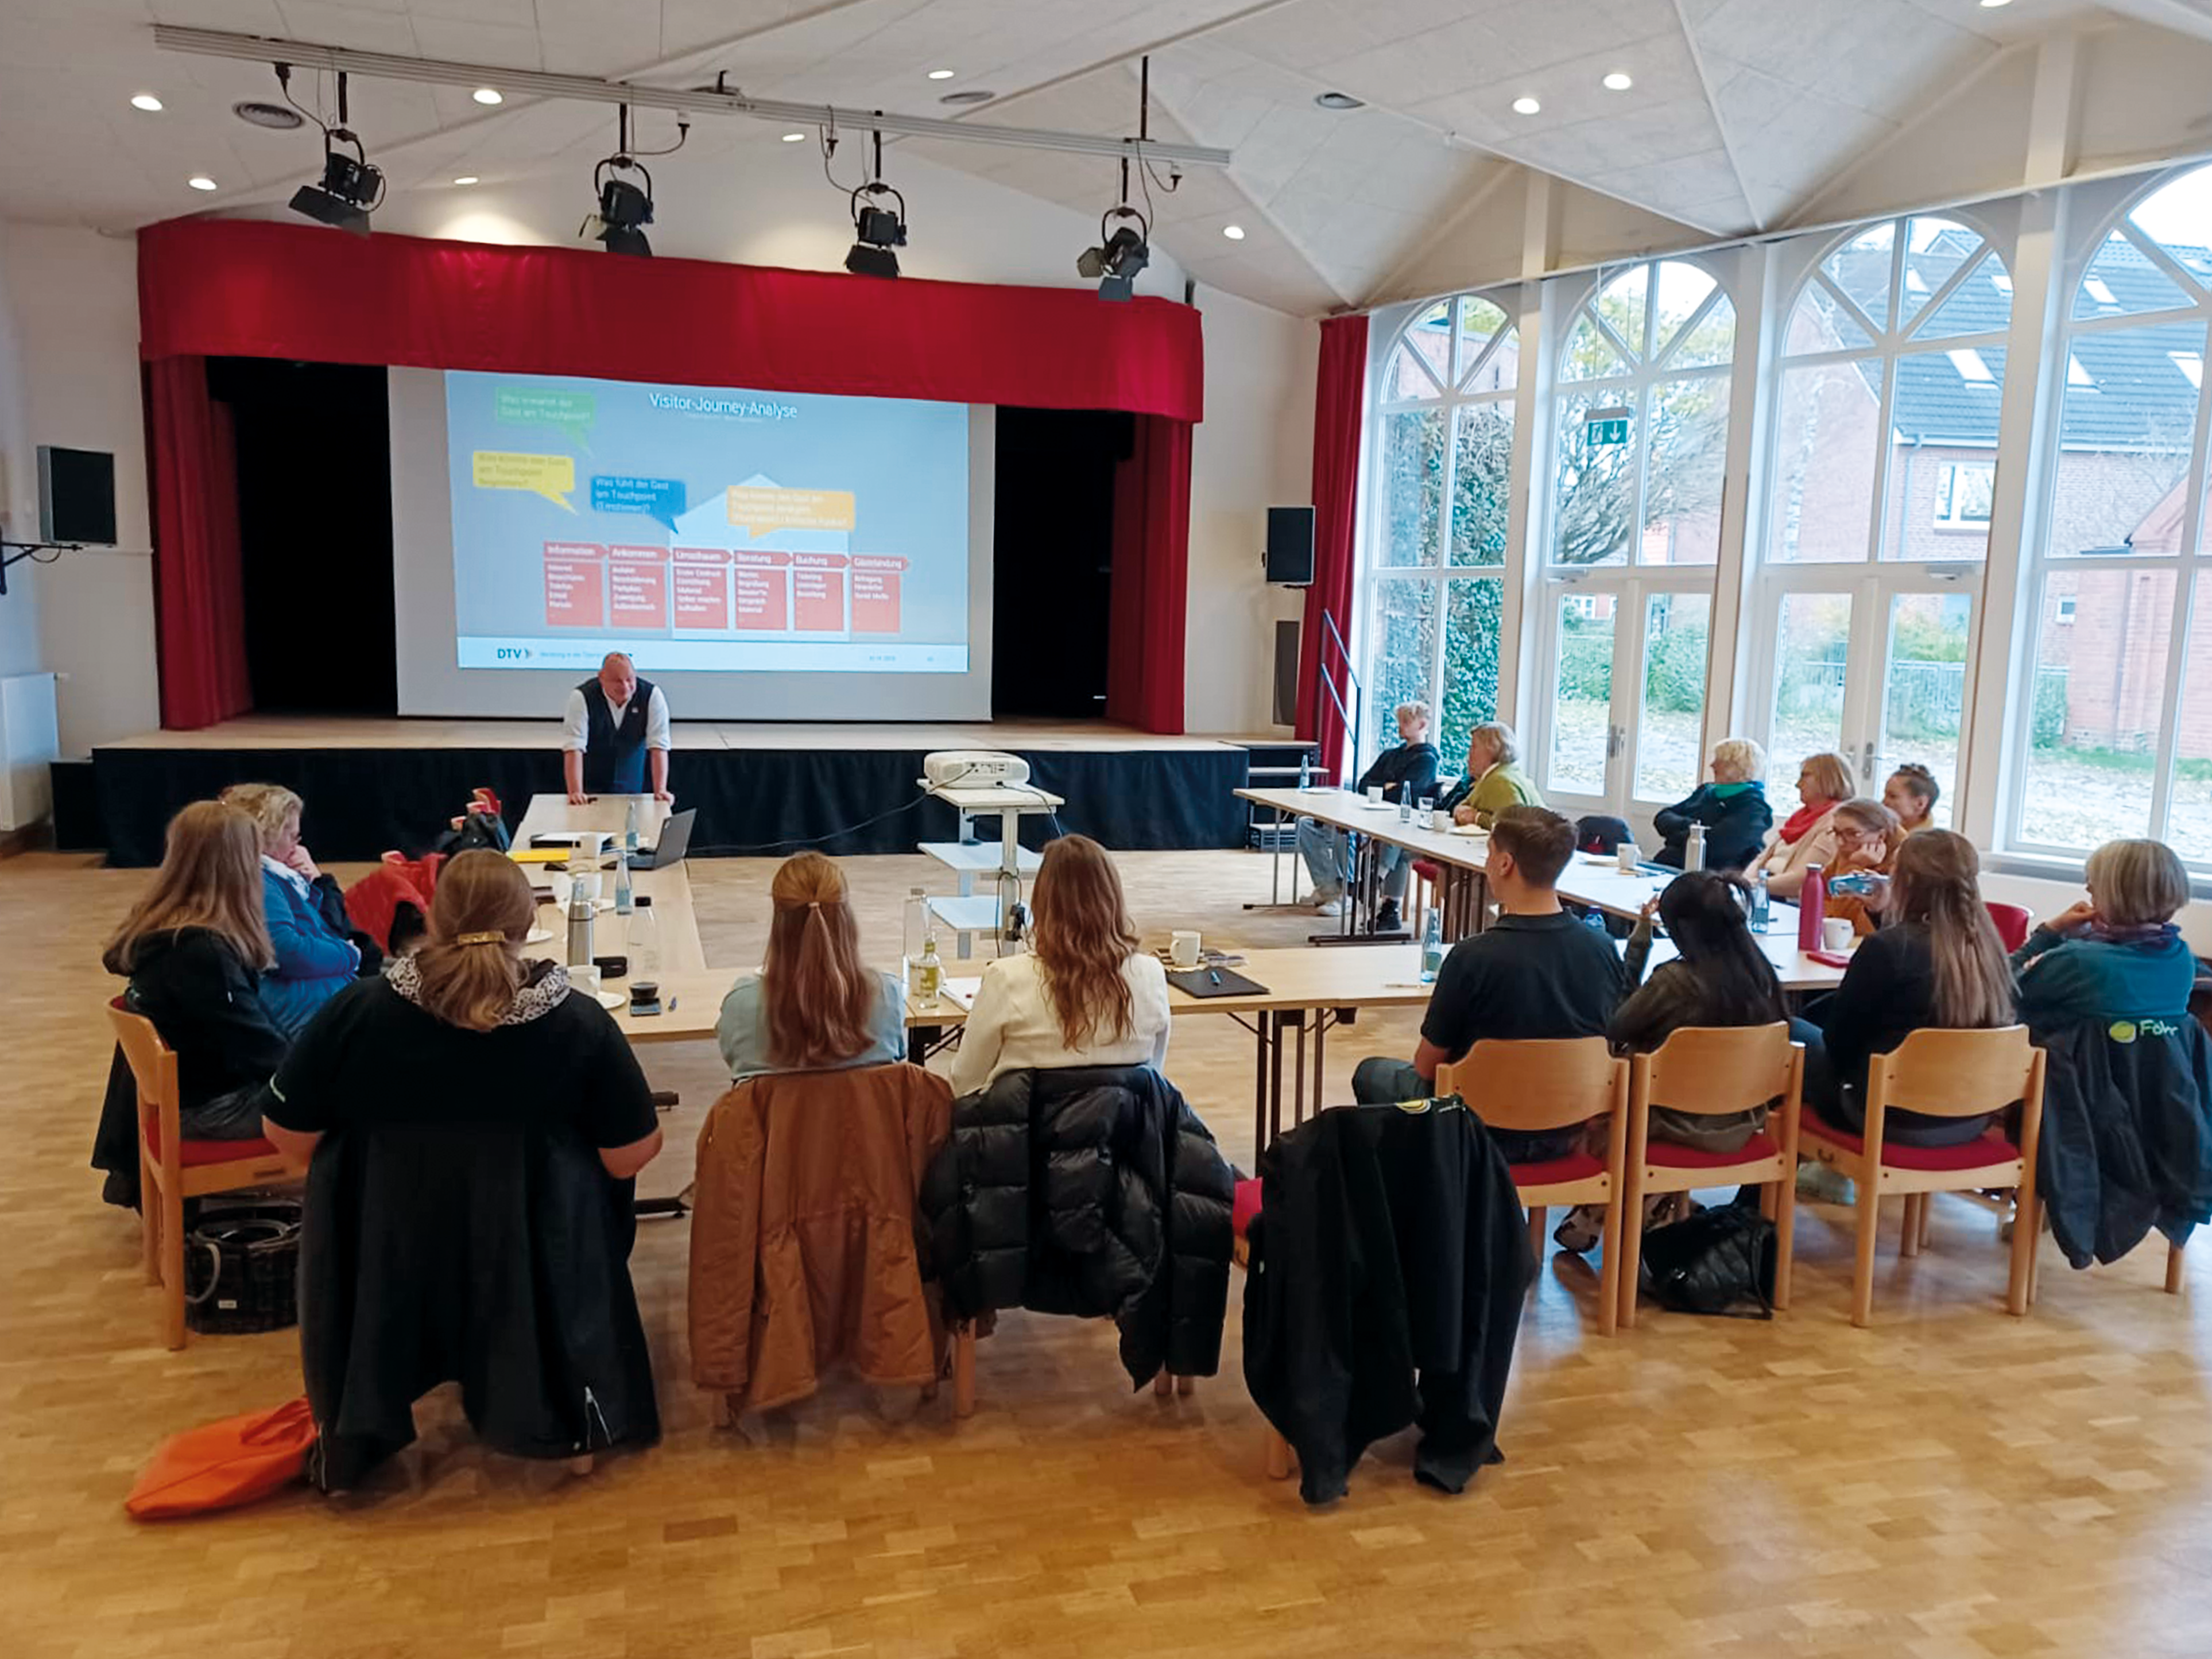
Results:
1628 692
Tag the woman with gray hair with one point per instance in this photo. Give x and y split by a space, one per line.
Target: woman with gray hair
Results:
1494 780
1732 808
316 958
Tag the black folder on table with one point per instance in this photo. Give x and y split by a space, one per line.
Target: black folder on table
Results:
1215 983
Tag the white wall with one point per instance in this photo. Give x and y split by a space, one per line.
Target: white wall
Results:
19 495
69 298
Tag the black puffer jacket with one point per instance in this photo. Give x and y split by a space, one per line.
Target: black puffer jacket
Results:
1094 1191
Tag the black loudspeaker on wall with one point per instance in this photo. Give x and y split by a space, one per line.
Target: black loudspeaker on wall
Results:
1286 673
1290 546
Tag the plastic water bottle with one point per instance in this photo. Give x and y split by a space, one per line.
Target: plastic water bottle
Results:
1432 947
644 939
1694 857
622 882
1762 911
928 973
629 826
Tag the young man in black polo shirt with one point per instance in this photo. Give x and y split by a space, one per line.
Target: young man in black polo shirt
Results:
1535 972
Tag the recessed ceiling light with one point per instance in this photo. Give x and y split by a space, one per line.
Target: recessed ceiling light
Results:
145 100
466 179
1527 107
943 75
1339 101
1234 233
968 96
1991 5
275 117
1619 80
794 138
489 95
201 181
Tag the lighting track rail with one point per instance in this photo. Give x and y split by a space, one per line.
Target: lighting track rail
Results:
586 88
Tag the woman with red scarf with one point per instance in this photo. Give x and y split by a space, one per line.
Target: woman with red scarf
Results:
1807 836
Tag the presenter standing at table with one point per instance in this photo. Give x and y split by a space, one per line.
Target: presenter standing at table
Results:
618 727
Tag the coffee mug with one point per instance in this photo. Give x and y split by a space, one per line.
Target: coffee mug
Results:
643 992
1375 794
1182 948
1837 932
586 980
1628 854
1440 822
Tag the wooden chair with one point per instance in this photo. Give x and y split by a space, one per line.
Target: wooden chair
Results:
1532 1086
171 1169
1715 1071
1942 1074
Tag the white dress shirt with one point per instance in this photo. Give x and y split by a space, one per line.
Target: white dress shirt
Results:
1012 1027
578 721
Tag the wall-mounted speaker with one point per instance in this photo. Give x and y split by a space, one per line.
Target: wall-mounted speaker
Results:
77 495
1290 546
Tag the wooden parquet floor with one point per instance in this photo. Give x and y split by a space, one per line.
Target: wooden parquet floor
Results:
1950 1485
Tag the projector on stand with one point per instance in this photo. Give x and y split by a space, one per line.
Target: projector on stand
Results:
973 769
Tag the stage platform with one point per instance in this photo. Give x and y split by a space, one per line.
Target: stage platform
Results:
761 790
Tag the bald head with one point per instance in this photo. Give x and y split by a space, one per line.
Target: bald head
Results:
618 676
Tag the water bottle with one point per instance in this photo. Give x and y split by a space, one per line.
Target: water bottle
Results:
1432 947
629 826
1811 909
644 939
622 882
929 972
580 912
1694 858
1762 912
1305 768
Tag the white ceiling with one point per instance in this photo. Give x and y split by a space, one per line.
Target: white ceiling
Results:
1742 111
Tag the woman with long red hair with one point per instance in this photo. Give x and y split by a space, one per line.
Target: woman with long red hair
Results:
815 1005
1083 995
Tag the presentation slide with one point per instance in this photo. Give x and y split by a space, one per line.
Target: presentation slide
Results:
762 550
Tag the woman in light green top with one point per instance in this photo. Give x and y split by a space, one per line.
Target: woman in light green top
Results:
815 1005
1494 780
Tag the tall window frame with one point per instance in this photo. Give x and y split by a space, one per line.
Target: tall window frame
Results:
1884 410
2115 630
1442 433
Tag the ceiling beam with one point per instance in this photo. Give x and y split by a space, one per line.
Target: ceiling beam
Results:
587 88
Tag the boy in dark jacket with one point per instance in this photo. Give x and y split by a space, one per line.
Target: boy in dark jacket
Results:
1732 808
1407 772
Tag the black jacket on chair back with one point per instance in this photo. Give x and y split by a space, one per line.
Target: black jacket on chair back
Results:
1094 1191
1387 1265
2127 1133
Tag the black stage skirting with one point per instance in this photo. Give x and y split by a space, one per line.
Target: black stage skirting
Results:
752 803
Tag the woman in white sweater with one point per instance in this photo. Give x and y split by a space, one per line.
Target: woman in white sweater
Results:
1083 995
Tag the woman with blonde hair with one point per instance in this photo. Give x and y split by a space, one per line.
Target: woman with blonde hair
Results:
469 1125
1732 808
315 958
1806 836
2118 952
1083 994
193 948
814 1005
1494 779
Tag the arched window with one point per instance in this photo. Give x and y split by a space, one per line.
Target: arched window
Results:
1634 532
1442 460
1887 403
2116 722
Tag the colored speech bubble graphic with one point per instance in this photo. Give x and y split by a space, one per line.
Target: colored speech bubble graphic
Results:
659 499
760 508
550 476
573 414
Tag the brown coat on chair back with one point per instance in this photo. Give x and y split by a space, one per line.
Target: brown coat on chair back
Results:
803 1237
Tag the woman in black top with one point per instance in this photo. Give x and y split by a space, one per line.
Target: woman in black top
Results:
1732 808
469 1125
1939 963
193 948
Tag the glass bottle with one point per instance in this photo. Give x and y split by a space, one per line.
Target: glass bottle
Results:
1432 947
929 972
644 939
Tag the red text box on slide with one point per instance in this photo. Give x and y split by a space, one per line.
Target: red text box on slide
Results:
637 586
702 586
760 596
576 585
817 593
875 581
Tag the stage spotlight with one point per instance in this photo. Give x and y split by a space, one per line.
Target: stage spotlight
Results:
876 231
1120 255
350 189
625 209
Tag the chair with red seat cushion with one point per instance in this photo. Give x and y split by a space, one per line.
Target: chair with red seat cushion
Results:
1942 1074
1716 1072
2013 921
171 1169
1534 1087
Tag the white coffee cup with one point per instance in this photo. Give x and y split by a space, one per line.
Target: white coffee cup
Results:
1375 794
1837 932
1183 948
586 980
1440 821
1629 854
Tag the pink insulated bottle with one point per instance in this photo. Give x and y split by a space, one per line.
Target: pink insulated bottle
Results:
1811 909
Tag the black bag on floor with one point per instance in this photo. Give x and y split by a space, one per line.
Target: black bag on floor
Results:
242 1268
1713 1263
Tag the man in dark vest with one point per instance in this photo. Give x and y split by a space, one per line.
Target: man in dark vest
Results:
618 728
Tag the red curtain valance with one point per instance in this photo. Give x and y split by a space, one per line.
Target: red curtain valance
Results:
258 288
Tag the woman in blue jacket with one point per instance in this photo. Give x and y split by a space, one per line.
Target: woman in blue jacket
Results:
315 959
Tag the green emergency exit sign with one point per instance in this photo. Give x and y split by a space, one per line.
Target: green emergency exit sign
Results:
1605 428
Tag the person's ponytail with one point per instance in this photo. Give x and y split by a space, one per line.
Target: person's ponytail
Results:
470 967
816 991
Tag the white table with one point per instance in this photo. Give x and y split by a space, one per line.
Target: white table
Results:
675 923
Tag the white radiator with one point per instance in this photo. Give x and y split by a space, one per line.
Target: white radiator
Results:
30 742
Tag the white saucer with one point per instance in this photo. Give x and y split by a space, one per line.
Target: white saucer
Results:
611 1000
537 936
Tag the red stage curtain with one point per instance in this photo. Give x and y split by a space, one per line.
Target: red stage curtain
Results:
1152 570
199 595
1340 400
256 288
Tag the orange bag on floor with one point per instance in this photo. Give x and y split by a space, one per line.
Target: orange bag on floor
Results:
223 1465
